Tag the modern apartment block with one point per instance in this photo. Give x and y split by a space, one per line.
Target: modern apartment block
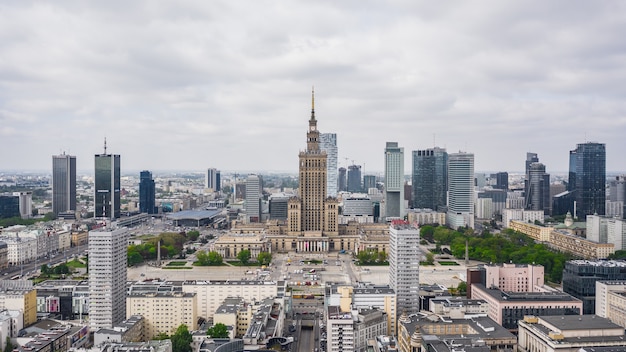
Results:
163 312
340 330
394 180
587 178
460 190
328 144
430 178
107 185
63 183
611 300
404 261
107 276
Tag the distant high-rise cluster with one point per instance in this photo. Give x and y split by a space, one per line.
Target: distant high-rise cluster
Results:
587 178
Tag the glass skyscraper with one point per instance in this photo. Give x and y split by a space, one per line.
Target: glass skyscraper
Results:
107 186
147 193
587 178
63 183
430 178
354 179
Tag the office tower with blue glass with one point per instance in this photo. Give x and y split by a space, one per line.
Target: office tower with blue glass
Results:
430 178
63 184
107 185
147 193
587 179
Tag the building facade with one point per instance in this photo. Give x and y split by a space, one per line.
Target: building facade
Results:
212 180
147 193
163 312
254 191
107 186
460 190
430 178
329 145
587 178
354 179
394 180
63 183
107 276
404 261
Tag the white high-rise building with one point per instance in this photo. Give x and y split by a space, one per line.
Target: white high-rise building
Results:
329 145
253 198
394 180
107 276
460 190
212 180
404 265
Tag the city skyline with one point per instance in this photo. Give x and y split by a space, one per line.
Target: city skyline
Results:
175 88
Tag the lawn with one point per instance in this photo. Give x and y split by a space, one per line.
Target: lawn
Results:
448 263
177 267
75 263
176 263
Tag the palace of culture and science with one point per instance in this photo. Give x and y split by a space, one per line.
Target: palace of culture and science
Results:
312 223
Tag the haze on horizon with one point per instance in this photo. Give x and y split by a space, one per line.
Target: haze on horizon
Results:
228 85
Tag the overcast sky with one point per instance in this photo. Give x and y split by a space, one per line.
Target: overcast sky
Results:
187 85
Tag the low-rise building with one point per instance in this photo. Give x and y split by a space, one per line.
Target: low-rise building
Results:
507 277
570 333
351 298
21 296
536 232
579 247
368 324
130 330
425 217
529 216
506 308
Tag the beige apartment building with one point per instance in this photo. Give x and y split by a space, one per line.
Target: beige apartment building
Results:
163 312
536 232
579 247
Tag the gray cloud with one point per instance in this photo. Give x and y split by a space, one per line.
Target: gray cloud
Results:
227 84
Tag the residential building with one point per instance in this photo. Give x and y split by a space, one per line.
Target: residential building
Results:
569 333
4 255
340 330
350 298
163 312
394 180
587 178
130 330
579 247
404 260
254 192
63 183
107 276
107 185
430 178
460 190
368 323
605 229
530 216
328 144
580 277
19 295
539 233
147 193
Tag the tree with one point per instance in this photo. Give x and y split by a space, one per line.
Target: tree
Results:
181 340
9 346
193 235
49 216
134 258
162 336
218 330
244 256
430 258
462 288
203 258
61 269
215 258
264 258
45 270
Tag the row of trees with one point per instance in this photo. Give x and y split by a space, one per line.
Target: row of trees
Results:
507 246
213 258
60 269
264 258
372 257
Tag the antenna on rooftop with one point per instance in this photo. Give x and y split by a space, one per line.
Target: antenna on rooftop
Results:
105 145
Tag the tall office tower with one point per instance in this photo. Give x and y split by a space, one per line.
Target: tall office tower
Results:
502 180
587 172
63 183
354 179
460 190
107 276
254 191
342 183
404 261
394 180
107 185
430 178
369 181
530 158
329 145
26 203
538 188
9 206
212 180
147 193
616 204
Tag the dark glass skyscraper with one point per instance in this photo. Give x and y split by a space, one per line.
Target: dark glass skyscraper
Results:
354 178
147 193
63 183
587 178
430 178
107 182
341 180
502 180
538 188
